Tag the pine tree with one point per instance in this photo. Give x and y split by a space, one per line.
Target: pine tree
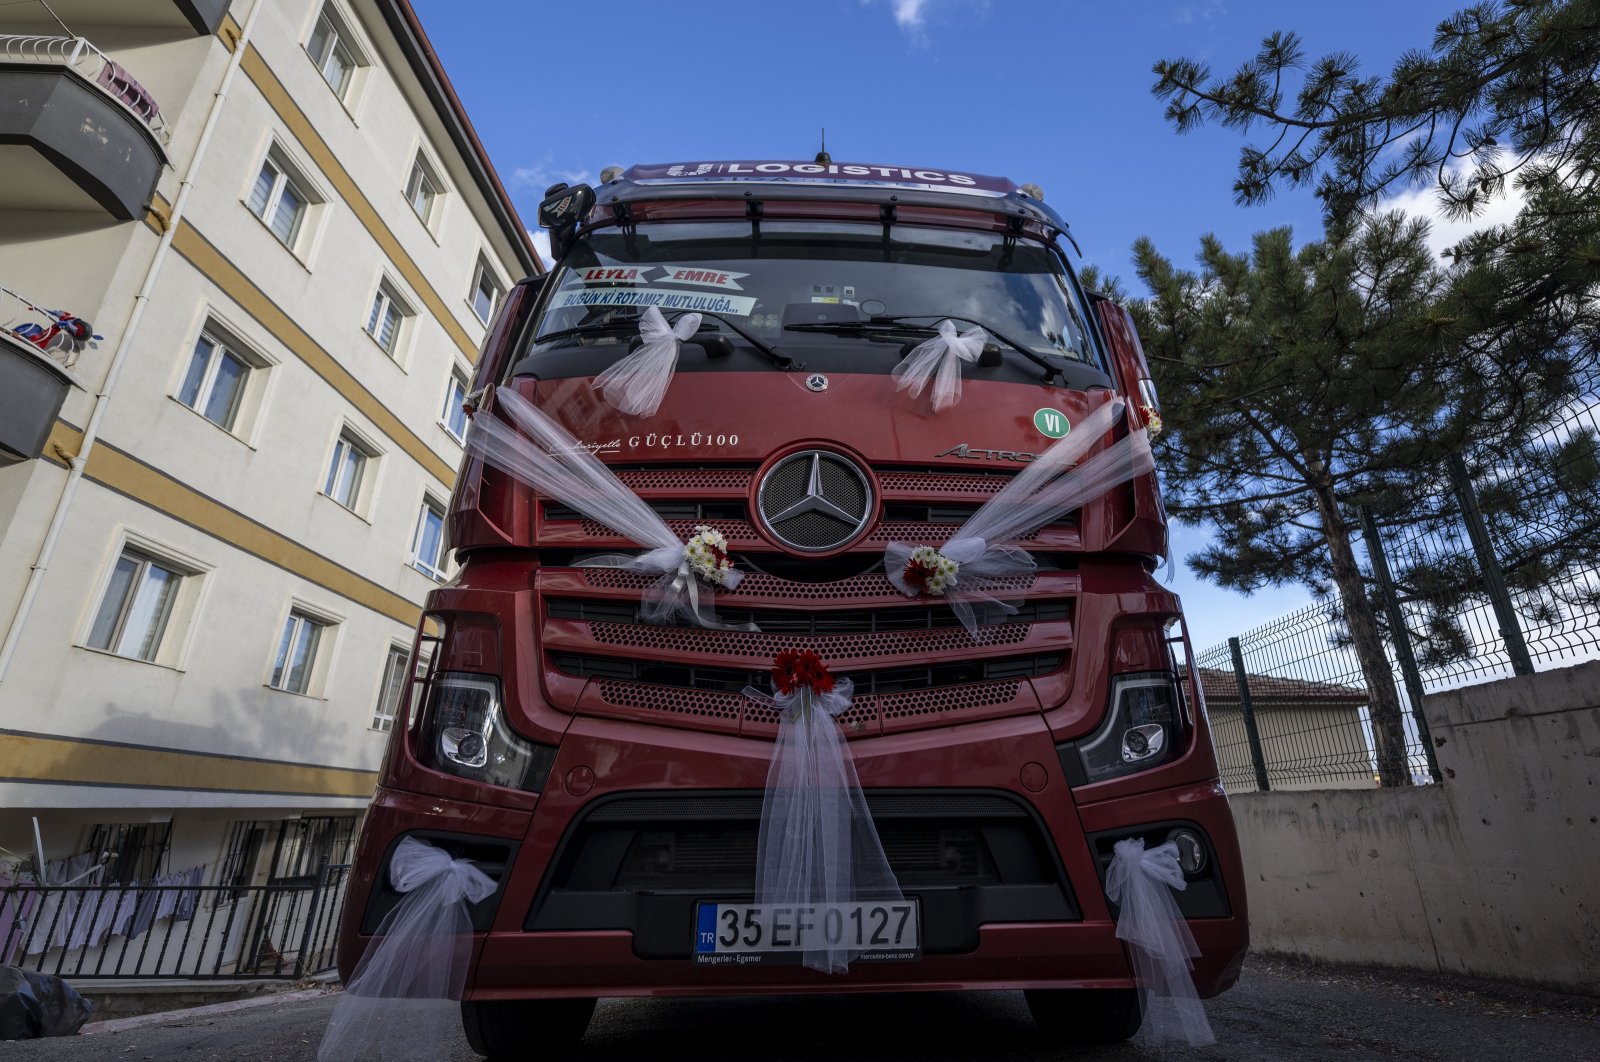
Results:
1505 98
1297 384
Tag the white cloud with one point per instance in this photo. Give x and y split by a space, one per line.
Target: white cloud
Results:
541 244
1189 14
912 15
1444 232
542 175
908 13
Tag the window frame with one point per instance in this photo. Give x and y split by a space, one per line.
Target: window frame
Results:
170 646
268 213
387 298
223 346
484 271
396 674
289 172
341 34
320 655
436 571
349 441
137 850
458 385
423 171
156 630
214 327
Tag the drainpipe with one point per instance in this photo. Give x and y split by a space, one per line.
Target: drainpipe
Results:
91 431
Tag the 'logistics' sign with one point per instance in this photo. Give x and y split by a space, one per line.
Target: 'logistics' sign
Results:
819 173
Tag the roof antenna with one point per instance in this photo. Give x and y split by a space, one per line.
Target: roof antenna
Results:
822 156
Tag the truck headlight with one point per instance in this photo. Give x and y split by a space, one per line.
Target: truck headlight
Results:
1141 731
464 733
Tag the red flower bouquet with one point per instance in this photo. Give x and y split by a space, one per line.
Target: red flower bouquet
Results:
794 668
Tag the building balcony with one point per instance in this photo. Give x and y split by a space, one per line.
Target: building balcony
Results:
37 347
190 17
77 132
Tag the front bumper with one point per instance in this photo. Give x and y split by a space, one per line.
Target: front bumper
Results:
518 956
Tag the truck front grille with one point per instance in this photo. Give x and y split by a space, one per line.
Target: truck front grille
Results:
912 663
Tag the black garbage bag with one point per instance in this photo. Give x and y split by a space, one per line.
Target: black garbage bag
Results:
35 1004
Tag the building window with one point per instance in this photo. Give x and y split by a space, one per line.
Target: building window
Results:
238 868
305 844
331 50
486 292
297 653
346 471
214 384
136 607
394 683
279 201
427 544
454 414
423 188
132 851
387 316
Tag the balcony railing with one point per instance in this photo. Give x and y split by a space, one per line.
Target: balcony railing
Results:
78 55
57 333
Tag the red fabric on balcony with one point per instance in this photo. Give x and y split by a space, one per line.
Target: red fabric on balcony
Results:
119 83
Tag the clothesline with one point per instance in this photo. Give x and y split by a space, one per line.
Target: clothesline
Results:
36 916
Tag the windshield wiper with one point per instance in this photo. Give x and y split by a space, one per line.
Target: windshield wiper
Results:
893 323
773 354
590 328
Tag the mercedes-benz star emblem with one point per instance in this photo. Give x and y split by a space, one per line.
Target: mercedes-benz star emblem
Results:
817 382
815 500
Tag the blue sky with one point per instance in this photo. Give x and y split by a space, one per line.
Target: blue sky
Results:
1051 91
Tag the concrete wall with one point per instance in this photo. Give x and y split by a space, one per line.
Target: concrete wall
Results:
1495 873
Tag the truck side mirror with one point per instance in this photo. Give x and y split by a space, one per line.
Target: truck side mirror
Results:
563 208
1128 360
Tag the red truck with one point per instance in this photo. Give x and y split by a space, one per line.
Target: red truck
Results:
611 776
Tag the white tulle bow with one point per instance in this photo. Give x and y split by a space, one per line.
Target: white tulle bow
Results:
1141 883
536 450
1058 481
402 999
939 360
416 863
817 845
636 384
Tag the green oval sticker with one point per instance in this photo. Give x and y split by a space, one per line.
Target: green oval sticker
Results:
1051 422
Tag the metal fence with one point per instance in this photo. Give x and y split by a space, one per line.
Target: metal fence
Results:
284 930
1504 571
1290 709
1494 571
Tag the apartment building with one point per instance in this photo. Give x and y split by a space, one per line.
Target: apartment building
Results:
249 251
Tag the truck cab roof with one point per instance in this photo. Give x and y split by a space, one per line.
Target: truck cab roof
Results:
888 187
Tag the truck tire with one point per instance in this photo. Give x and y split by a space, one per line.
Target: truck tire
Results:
545 1029
1087 1015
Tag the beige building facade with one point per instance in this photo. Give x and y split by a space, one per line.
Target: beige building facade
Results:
219 518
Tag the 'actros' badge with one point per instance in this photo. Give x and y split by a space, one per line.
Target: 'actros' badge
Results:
817 382
973 453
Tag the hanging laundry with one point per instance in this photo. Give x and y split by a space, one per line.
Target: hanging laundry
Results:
145 913
37 940
73 873
190 897
18 899
168 895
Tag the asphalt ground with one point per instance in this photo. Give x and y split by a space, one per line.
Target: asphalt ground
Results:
1279 1010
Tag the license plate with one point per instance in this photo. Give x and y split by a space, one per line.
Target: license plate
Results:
743 933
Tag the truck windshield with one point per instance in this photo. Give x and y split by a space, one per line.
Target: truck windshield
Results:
1019 288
